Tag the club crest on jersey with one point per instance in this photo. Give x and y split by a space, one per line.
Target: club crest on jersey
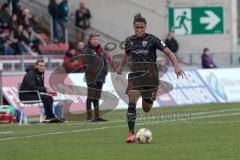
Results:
144 43
164 45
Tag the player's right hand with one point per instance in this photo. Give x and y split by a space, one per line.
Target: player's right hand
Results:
179 72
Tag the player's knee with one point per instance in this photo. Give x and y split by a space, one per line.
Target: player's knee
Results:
147 109
133 96
147 104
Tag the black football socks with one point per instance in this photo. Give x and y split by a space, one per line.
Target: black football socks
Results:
131 117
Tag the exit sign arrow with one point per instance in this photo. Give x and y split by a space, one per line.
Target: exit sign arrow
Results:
212 20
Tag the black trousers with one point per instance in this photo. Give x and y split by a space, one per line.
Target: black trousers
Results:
94 94
48 106
46 100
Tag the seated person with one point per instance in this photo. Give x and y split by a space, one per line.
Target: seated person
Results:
207 61
33 39
34 80
7 48
72 59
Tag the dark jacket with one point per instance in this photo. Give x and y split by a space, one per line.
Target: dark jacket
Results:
33 80
4 16
82 19
96 62
53 9
172 45
63 10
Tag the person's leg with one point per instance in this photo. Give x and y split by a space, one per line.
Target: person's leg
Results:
48 106
20 48
148 98
89 108
6 51
96 108
97 96
27 48
55 29
131 112
64 30
35 46
90 99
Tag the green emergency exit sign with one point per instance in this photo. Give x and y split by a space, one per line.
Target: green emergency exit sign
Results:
196 20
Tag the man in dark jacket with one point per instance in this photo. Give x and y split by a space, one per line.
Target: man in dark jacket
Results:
14 5
96 72
4 14
82 17
34 80
63 14
172 43
53 11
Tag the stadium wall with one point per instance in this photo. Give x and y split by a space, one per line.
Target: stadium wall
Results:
115 17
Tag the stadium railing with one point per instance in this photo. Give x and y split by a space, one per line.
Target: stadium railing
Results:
20 63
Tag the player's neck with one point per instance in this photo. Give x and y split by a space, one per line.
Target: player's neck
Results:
141 36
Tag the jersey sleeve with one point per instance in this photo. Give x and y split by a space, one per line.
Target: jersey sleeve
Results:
128 46
160 44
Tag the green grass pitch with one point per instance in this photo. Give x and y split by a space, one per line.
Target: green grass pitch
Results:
207 132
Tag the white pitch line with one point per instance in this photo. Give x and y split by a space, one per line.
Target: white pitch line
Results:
168 114
118 126
217 122
6 132
217 111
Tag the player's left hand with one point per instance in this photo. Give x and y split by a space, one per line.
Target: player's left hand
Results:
179 72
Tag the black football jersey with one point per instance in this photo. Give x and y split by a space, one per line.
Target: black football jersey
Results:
143 49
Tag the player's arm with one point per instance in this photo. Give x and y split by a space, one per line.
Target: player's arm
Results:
122 64
162 46
179 72
126 57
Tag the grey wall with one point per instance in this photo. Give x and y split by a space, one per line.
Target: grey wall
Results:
115 17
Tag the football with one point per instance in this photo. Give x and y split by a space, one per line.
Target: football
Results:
144 136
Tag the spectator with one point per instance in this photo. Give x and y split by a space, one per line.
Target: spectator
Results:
82 17
14 5
13 23
18 39
25 18
53 11
4 14
34 80
7 49
96 73
63 13
172 43
79 52
34 22
33 39
19 11
72 59
5 28
207 61
79 48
